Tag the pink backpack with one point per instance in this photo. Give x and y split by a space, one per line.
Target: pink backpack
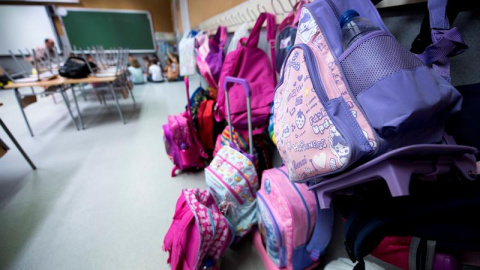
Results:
181 144
199 234
210 55
294 230
250 63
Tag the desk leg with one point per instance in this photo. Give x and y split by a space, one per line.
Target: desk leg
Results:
133 98
19 100
118 105
65 99
84 94
78 109
17 144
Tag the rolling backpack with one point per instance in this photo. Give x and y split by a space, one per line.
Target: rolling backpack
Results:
335 108
232 179
251 63
293 232
199 234
210 55
181 143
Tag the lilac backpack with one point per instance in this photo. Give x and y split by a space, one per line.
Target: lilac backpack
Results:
335 108
199 234
210 55
293 231
181 143
251 63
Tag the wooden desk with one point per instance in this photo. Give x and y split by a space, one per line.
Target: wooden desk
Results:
58 81
47 83
64 84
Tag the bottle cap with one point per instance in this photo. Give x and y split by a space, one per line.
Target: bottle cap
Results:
347 16
208 263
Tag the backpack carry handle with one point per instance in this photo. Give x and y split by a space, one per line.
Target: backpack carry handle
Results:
248 94
271 31
293 16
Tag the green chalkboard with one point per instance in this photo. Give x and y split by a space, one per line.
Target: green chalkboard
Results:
111 29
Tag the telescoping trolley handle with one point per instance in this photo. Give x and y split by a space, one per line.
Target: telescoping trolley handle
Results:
248 93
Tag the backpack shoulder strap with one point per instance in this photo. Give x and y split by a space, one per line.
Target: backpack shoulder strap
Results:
293 16
322 233
221 36
446 41
271 31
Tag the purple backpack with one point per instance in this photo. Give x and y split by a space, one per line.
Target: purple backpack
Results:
335 108
210 55
199 234
251 63
181 143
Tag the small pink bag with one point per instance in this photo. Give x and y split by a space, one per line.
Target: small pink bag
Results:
199 234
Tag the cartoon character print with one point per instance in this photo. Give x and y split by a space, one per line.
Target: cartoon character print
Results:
307 26
339 147
300 119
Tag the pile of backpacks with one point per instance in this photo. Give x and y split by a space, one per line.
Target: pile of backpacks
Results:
374 131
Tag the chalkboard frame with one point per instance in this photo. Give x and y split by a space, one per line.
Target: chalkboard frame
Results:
128 11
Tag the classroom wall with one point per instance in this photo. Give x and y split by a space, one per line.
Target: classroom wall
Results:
214 7
159 9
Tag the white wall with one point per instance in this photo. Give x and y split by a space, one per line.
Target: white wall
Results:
24 27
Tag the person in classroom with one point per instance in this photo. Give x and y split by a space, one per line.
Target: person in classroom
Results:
136 71
146 63
155 73
172 69
48 47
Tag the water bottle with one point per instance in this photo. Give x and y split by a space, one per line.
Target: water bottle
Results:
354 27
